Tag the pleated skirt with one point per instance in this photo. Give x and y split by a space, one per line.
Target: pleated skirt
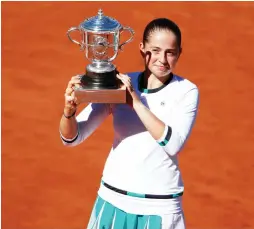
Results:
106 216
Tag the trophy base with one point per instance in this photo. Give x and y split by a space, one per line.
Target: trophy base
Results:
101 95
100 87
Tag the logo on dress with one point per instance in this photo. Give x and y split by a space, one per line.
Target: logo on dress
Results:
162 103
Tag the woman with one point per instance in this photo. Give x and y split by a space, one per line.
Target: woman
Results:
141 184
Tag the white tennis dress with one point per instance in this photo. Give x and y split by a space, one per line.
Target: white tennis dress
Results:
138 163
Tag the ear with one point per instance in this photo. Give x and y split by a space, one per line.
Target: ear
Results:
142 49
180 52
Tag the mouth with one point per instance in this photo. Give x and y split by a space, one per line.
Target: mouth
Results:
162 68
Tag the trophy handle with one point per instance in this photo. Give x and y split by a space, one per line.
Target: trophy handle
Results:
72 40
130 39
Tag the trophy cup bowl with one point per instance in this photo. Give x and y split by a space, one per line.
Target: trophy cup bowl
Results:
100 40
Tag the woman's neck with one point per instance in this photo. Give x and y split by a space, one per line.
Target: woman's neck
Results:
152 82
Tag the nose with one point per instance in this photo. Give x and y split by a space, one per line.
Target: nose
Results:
163 58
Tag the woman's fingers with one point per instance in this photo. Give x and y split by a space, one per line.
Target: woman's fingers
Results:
126 80
75 81
131 95
71 101
77 76
68 97
123 76
68 91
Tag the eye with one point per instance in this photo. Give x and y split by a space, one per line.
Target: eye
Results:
155 50
171 53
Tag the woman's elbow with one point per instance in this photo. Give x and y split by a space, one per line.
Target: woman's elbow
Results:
175 145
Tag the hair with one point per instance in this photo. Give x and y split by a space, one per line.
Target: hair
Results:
162 24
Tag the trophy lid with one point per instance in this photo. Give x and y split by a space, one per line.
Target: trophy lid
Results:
100 23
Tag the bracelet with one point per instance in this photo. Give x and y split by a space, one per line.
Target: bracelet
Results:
68 117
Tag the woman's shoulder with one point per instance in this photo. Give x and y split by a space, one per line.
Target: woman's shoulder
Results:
133 74
185 83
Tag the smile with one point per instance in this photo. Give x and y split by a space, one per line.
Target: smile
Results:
162 68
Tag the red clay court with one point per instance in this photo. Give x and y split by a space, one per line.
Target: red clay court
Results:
48 186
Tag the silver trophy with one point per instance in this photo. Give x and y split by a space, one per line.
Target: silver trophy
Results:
100 40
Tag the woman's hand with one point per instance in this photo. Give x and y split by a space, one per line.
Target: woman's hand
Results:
70 100
132 96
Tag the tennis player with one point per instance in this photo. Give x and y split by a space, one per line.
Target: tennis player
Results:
141 185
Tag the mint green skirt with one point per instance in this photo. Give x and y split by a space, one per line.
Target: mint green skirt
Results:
106 216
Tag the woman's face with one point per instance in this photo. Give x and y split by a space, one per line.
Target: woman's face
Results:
161 52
